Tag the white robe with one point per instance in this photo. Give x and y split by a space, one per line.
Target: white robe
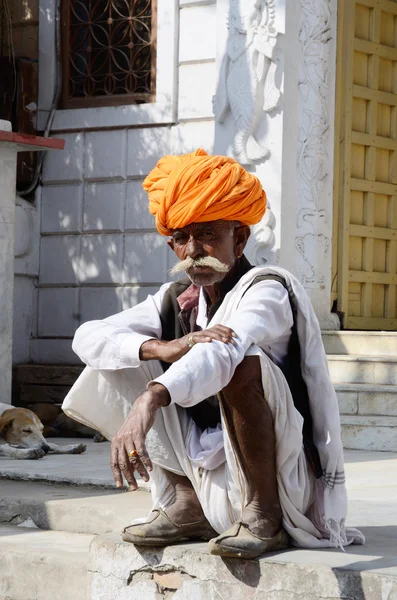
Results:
314 511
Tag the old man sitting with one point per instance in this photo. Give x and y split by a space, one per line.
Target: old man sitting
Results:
217 386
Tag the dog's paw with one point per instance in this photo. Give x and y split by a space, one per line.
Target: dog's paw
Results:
34 454
79 449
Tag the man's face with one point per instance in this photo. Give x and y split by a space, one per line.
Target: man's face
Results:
217 239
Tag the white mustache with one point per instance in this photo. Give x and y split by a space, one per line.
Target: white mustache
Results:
205 261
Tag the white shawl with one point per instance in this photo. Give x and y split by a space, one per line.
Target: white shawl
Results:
331 497
102 399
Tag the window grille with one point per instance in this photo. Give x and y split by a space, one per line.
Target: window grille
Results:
108 52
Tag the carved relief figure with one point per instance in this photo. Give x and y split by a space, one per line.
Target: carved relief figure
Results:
247 76
314 183
314 250
262 240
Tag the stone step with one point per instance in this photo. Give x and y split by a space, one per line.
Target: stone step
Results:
33 384
51 565
73 509
369 433
188 572
44 565
366 399
380 370
366 343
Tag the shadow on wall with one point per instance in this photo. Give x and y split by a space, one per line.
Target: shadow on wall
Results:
100 252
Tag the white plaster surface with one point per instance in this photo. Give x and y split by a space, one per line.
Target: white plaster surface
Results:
26 270
196 88
7 219
59 259
103 206
101 259
146 258
105 154
188 136
23 318
137 216
67 165
97 303
57 312
145 147
61 208
194 21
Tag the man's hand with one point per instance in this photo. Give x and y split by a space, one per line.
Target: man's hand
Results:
170 352
132 437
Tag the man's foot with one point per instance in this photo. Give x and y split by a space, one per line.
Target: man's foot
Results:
240 542
160 530
263 523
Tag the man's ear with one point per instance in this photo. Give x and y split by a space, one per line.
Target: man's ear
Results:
241 236
5 422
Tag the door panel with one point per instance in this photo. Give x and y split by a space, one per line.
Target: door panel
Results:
365 266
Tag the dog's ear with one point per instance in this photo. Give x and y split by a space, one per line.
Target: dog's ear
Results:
5 422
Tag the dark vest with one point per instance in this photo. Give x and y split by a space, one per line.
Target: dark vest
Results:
177 323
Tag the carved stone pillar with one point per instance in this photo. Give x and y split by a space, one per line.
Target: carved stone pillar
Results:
293 43
317 38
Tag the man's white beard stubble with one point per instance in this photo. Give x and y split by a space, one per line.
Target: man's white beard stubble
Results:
205 261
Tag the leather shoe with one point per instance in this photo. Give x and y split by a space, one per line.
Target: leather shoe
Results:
159 530
240 542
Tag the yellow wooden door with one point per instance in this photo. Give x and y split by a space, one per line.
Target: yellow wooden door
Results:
365 220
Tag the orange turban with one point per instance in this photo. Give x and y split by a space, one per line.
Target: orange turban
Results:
196 187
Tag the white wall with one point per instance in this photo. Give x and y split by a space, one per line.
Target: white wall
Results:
26 271
99 250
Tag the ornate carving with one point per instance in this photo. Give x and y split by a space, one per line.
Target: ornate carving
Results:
313 249
313 241
262 240
247 83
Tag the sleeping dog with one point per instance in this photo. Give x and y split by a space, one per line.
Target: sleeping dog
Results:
22 431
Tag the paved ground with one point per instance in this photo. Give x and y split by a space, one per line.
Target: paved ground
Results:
372 487
90 468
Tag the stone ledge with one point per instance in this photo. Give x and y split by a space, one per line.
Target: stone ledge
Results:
121 571
46 374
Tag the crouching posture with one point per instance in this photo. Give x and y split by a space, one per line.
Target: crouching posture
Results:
201 385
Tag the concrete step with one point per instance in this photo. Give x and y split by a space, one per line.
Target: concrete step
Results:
51 565
369 433
34 384
73 509
44 565
92 468
366 343
188 572
367 399
381 370
48 565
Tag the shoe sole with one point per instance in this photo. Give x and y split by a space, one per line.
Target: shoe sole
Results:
230 552
152 541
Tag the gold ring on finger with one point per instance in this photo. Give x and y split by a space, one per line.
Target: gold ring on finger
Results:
190 341
132 454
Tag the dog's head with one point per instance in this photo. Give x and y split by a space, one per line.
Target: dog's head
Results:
22 428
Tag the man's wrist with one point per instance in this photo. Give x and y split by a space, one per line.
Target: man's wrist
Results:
151 350
160 393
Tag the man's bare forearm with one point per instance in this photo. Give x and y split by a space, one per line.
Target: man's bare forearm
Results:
151 350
